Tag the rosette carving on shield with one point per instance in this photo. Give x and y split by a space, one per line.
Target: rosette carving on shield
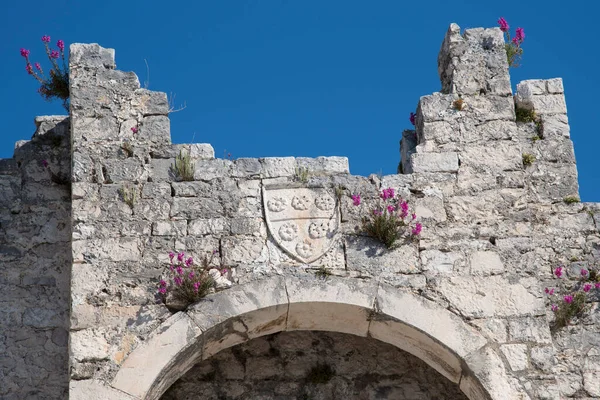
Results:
307 228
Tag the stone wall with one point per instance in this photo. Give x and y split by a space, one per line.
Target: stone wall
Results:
467 297
35 236
313 365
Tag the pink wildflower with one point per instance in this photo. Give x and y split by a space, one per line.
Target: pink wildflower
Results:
45 163
180 256
391 209
414 216
179 270
54 54
417 229
377 212
134 129
171 255
29 69
503 24
568 299
189 262
412 118
162 290
25 53
61 45
191 275
387 194
38 66
356 199
554 307
196 286
587 287
224 271
162 283
520 35
549 291
584 272
178 280
558 271
46 39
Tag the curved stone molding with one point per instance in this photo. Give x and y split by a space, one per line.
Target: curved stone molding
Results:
278 304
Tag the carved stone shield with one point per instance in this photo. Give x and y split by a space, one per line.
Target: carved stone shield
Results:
302 221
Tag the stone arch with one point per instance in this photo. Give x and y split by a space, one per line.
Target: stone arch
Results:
362 308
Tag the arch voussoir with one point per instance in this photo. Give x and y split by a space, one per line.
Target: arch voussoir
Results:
362 308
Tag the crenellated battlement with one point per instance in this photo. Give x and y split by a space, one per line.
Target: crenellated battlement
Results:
82 260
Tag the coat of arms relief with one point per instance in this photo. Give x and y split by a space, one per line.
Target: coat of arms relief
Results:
304 222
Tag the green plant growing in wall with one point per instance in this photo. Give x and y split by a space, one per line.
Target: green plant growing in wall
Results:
569 299
513 48
183 167
301 174
390 219
528 159
571 199
129 195
56 83
323 272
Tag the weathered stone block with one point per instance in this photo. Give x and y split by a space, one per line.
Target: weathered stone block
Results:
434 162
371 258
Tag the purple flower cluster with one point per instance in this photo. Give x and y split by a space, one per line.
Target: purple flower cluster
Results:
56 84
572 300
390 219
413 118
513 46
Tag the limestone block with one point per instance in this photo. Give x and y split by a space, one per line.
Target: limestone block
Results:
493 296
502 156
149 102
246 167
430 207
152 190
206 170
436 262
89 345
192 189
169 228
210 226
530 97
162 169
243 250
531 87
400 183
554 86
488 370
156 129
137 376
371 258
434 162
543 358
95 390
485 263
196 208
274 167
493 328
91 56
516 355
555 150
334 304
556 125
249 226
529 329
550 182
96 128
324 165
128 170
591 383
196 151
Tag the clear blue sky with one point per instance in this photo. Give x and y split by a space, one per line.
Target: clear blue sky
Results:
301 78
